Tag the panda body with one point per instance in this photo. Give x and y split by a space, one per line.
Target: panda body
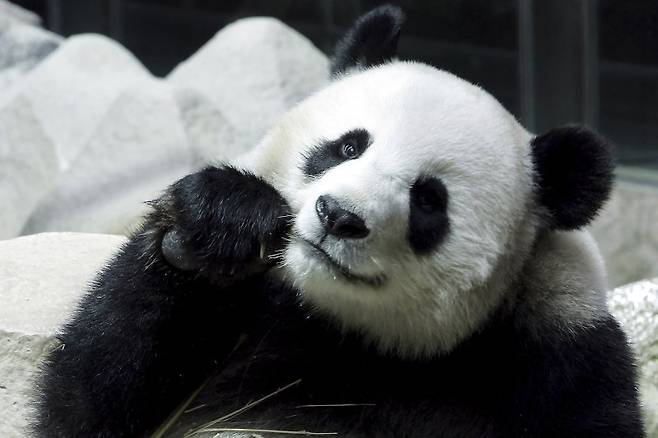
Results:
498 382
398 257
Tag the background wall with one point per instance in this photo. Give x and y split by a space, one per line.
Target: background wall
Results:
549 62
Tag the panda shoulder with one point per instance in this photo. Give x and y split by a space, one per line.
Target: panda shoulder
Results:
563 285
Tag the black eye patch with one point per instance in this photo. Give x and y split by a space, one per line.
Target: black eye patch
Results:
328 154
428 214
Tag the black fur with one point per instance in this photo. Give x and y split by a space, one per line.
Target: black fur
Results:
225 215
372 40
148 334
428 214
504 382
329 154
574 168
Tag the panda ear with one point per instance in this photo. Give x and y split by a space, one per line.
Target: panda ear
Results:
372 40
574 172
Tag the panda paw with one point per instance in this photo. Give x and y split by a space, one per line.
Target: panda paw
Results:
178 252
223 223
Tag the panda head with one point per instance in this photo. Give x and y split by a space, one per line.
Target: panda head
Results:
417 197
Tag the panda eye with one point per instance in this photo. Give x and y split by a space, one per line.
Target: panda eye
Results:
331 153
349 150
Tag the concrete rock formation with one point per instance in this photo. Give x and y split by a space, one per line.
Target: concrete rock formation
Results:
16 13
627 233
41 279
28 165
252 71
107 135
72 89
636 307
137 149
23 47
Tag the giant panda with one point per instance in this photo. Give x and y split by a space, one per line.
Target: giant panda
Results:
398 257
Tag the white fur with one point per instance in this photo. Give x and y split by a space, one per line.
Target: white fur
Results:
422 121
564 283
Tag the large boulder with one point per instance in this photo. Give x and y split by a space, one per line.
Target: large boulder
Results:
136 150
72 90
16 13
636 307
252 71
23 45
42 278
48 116
211 137
627 233
28 165
119 136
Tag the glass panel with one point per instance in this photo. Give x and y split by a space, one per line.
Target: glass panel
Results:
629 79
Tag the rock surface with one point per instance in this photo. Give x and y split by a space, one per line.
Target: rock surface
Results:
72 90
42 277
627 233
48 117
23 45
136 150
119 136
29 165
252 71
636 307
16 13
209 133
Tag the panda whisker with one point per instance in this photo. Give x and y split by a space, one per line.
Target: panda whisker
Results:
376 263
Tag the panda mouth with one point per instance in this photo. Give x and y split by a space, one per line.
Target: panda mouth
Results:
344 271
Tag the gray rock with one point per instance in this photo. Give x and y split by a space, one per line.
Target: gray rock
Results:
137 150
23 47
636 307
209 133
16 13
42 278
252 71
627 233
121 136
72 89
28 165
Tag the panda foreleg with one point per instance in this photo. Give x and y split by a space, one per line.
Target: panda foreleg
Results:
148 331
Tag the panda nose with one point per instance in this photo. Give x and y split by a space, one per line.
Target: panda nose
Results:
339 222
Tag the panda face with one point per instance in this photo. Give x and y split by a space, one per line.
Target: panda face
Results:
411 191
418 201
